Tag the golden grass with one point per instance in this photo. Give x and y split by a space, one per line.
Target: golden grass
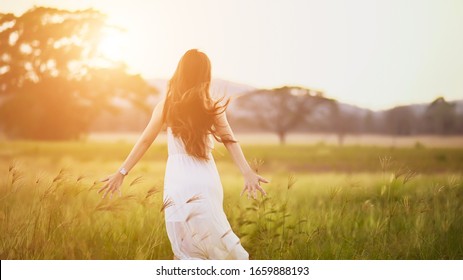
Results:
389 208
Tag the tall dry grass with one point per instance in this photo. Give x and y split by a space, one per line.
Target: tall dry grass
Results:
50 209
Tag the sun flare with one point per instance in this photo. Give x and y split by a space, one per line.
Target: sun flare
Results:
113 46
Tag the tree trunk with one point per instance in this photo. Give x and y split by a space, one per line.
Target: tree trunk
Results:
341 139
282 137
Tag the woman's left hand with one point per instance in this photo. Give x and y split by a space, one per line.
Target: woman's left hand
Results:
113 184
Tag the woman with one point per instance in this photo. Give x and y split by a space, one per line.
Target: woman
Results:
193 196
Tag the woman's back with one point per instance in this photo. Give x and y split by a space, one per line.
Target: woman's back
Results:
175 144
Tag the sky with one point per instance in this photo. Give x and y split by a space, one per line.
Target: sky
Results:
374 54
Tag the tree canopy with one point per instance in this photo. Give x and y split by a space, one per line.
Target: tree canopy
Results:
53 81
281 110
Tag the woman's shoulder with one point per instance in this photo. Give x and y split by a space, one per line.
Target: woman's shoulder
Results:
158 111
160 105
162 100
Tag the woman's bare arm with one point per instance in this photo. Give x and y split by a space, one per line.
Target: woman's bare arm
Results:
146 139
143 143
251 179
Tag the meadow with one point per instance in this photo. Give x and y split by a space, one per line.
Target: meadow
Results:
324 202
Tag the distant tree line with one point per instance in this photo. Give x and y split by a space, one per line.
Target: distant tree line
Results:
295 109
440 117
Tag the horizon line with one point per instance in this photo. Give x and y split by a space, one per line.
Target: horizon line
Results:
323 91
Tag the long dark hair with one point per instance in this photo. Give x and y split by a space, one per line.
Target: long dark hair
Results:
189 110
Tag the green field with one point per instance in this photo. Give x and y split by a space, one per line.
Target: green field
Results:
324 202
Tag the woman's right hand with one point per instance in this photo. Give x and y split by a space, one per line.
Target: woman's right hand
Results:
113 184
252 184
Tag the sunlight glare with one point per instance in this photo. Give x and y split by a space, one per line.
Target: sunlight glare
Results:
113 47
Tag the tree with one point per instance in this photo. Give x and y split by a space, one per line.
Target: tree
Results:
440 117
279 110
401 121
53 81
342 122
369 123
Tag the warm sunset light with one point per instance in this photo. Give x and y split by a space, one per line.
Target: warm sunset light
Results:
244 130
375 54
113 46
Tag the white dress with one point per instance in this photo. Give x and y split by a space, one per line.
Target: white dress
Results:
193 199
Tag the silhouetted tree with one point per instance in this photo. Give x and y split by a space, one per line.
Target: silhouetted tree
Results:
281 109
53 83
370 124
342 122
400 121
459 124
440 117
